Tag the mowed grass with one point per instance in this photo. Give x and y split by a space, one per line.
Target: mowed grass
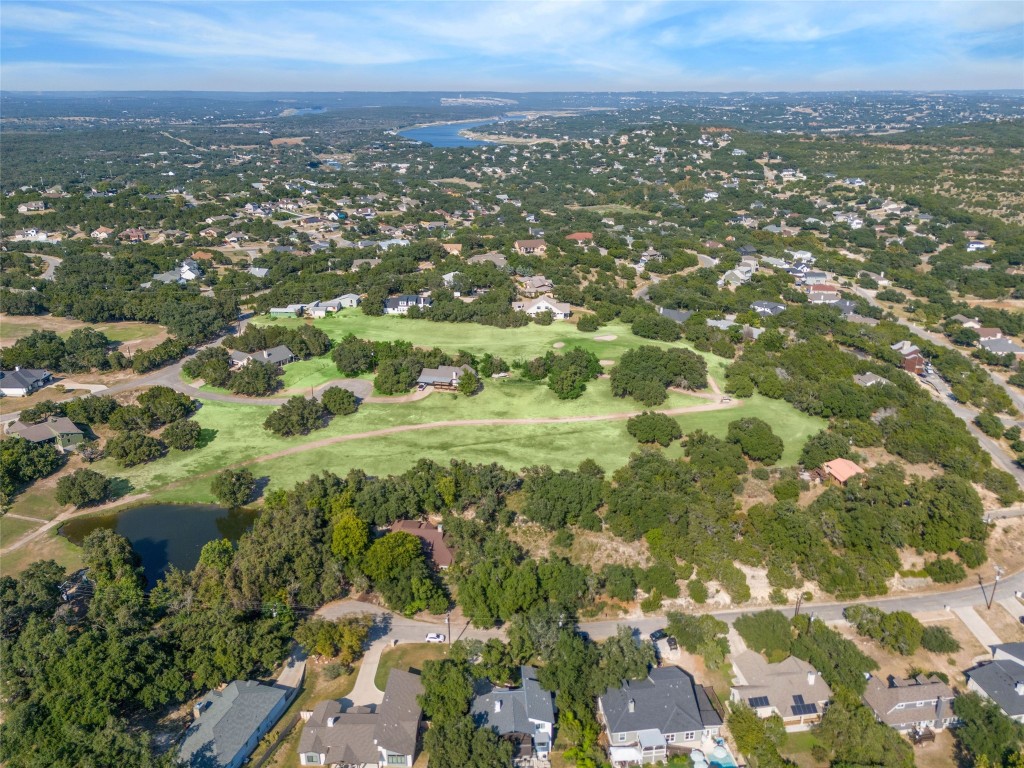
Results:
11 528
235 433
17 328
510 344
38 502
405 657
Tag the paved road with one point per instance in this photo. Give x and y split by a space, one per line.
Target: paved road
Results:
939 339
52 262
391 630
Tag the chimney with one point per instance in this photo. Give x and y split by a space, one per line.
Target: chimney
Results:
497 705
811 677
17 368
332 721
632 705
1019 688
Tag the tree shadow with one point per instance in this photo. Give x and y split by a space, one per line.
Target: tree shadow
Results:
119 487
206 436
258 488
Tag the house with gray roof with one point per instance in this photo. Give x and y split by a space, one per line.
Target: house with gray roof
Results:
768 308
1011 651
525 716
360 737
23 381
279 356
444 377
492 257
869 379
910 703
59 430
399 305
680 316
229 724
1002 347
1002 681
648 720
791 689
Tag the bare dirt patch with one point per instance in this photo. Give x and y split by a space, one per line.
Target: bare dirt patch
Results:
290 141
606 362
594 549
951 664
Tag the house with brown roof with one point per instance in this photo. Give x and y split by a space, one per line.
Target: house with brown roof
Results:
791 689
455 249
581 237
361 738
841 470
528 247
134 235
101 233
434 544
910 703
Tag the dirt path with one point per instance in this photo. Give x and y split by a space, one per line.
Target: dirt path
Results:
64 517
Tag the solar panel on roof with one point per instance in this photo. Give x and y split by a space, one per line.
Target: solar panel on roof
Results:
758 701
798 699
805 709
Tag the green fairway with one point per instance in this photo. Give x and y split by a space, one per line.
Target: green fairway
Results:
50 546
524 343
11 528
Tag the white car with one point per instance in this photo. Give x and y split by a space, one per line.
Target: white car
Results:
435 637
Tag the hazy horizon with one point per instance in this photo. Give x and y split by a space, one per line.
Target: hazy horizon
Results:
511 47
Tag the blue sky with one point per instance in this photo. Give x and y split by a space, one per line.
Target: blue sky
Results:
515 46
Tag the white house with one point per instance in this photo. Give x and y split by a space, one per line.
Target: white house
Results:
558 309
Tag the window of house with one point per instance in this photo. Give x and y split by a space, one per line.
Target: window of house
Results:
689 736
620 737
397 760
311 758
671 737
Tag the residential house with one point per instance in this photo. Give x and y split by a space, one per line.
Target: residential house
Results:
913 361
987 334
1002 347
841 470
59 430
229 724
791 689
709 262
534 285
492 257
101 233
444 377
361 738
747 250
32 206
737 276
370 263
583 238
846 307
823 297
349 300
399 305
528 247
680 316
455 249
292 310
1002 681
911 703
976 245
134 235
259 272
559 310
434 543
869 379
815 278
279 356
768 308
647 720
23 381
185 272
525 715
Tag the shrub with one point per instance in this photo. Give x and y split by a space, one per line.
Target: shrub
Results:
134 448
83 487
233 487
652 427
650 326
339 401
989 423
761 473
939 640
651 603
298 416
588 323
786 490
183 435
756 439
945 571
697 590
971 553
767 632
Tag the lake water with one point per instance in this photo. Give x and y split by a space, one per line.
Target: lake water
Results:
166 534
447 134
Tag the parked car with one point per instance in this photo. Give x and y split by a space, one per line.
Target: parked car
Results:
658 634
436 637
673 644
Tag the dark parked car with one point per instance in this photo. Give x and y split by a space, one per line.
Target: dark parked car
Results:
658 634
672 644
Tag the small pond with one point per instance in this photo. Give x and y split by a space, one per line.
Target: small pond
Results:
166 534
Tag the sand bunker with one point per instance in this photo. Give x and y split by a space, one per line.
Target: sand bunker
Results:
609 337
606 362
558 344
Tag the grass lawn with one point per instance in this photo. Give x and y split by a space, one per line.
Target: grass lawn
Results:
407 656
38 501
18 327
508 343
798 749
49 547
11 528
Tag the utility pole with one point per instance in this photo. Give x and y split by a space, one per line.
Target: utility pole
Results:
992 595
448 625
799 602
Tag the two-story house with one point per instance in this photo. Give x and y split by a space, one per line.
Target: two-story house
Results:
647 720
911 703
525 716
791 689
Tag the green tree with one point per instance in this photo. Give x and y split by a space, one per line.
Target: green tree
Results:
255 379
183 434
396 566
297 416
469 383
82 488
233 487
756 439
853 736
653 427
985 731
339 401
342 640
350 536
133 448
